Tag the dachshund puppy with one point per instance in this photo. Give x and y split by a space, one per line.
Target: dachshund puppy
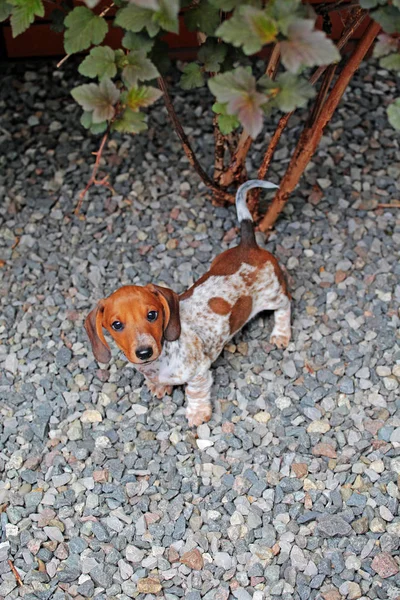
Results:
173 340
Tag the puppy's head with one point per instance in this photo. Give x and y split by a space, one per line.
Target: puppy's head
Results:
138 319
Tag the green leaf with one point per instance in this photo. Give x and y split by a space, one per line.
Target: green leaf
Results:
393 112
23 14
91 3
97 99
5 10
235 57
87 122
130 122
237 32
261 24
97 128
281 10
219 108
135 18
121 59
249 28
388 17
203 17
151 4
83 29
287 12
167 15
139 68
385 45
238 90
100 63
390 62
226 5
288 91
227 123
212 54
137 41
86 119
57 20
192 77
238 81
371 3
306 47
140 96
159 56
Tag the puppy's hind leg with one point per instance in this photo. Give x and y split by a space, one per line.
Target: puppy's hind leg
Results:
281 332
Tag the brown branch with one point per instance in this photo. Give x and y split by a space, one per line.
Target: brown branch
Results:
310 138
231 142
62 61
15 573
322 94
322 9
273 61
262 171
238 159
219 150
353 24
245 141
389 205
219 193
93 180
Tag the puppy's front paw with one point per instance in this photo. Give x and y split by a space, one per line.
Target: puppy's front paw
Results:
159 390
199 415
280 340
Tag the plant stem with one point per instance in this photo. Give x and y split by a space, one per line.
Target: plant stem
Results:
93 180
15 573
245 141
219 150
340 5
353 24
273 62
322 93
310 137
220 193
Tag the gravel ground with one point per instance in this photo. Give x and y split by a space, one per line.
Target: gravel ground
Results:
291 491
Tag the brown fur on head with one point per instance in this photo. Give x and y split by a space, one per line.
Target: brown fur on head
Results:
130 307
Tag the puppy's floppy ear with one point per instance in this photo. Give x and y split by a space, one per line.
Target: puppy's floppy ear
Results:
170 302
94 329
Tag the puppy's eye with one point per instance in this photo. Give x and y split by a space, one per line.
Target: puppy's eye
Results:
152 315
117 326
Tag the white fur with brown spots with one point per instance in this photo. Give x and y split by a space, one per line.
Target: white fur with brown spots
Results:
206 331
194 328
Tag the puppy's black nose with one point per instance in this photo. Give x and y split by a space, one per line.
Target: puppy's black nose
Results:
144 353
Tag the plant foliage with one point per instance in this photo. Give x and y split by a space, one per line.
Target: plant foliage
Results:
230 31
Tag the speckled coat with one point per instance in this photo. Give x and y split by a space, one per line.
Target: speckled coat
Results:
186 334
242 282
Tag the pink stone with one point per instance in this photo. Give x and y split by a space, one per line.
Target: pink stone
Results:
45 517
385 565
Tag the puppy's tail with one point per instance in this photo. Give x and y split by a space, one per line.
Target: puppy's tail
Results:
243 213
